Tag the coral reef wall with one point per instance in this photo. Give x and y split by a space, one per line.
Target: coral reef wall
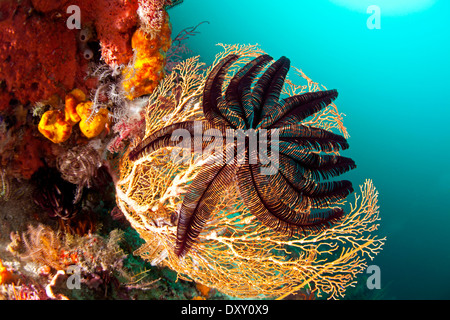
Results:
41 56
38 54
50 49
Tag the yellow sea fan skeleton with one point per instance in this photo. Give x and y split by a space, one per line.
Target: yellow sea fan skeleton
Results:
235 253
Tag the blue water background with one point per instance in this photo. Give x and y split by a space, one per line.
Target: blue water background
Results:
393 86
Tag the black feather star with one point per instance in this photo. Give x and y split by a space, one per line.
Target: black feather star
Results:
282 200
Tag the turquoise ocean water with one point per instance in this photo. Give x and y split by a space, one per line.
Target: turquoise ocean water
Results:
393 85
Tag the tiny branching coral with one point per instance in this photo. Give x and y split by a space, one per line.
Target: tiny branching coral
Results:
235 252
42 245
98 259
38 109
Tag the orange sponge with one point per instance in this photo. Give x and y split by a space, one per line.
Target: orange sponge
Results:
148 67
54 126
71 101
92 126
5 275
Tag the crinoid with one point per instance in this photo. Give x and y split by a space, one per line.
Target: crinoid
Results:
290 198
54 194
